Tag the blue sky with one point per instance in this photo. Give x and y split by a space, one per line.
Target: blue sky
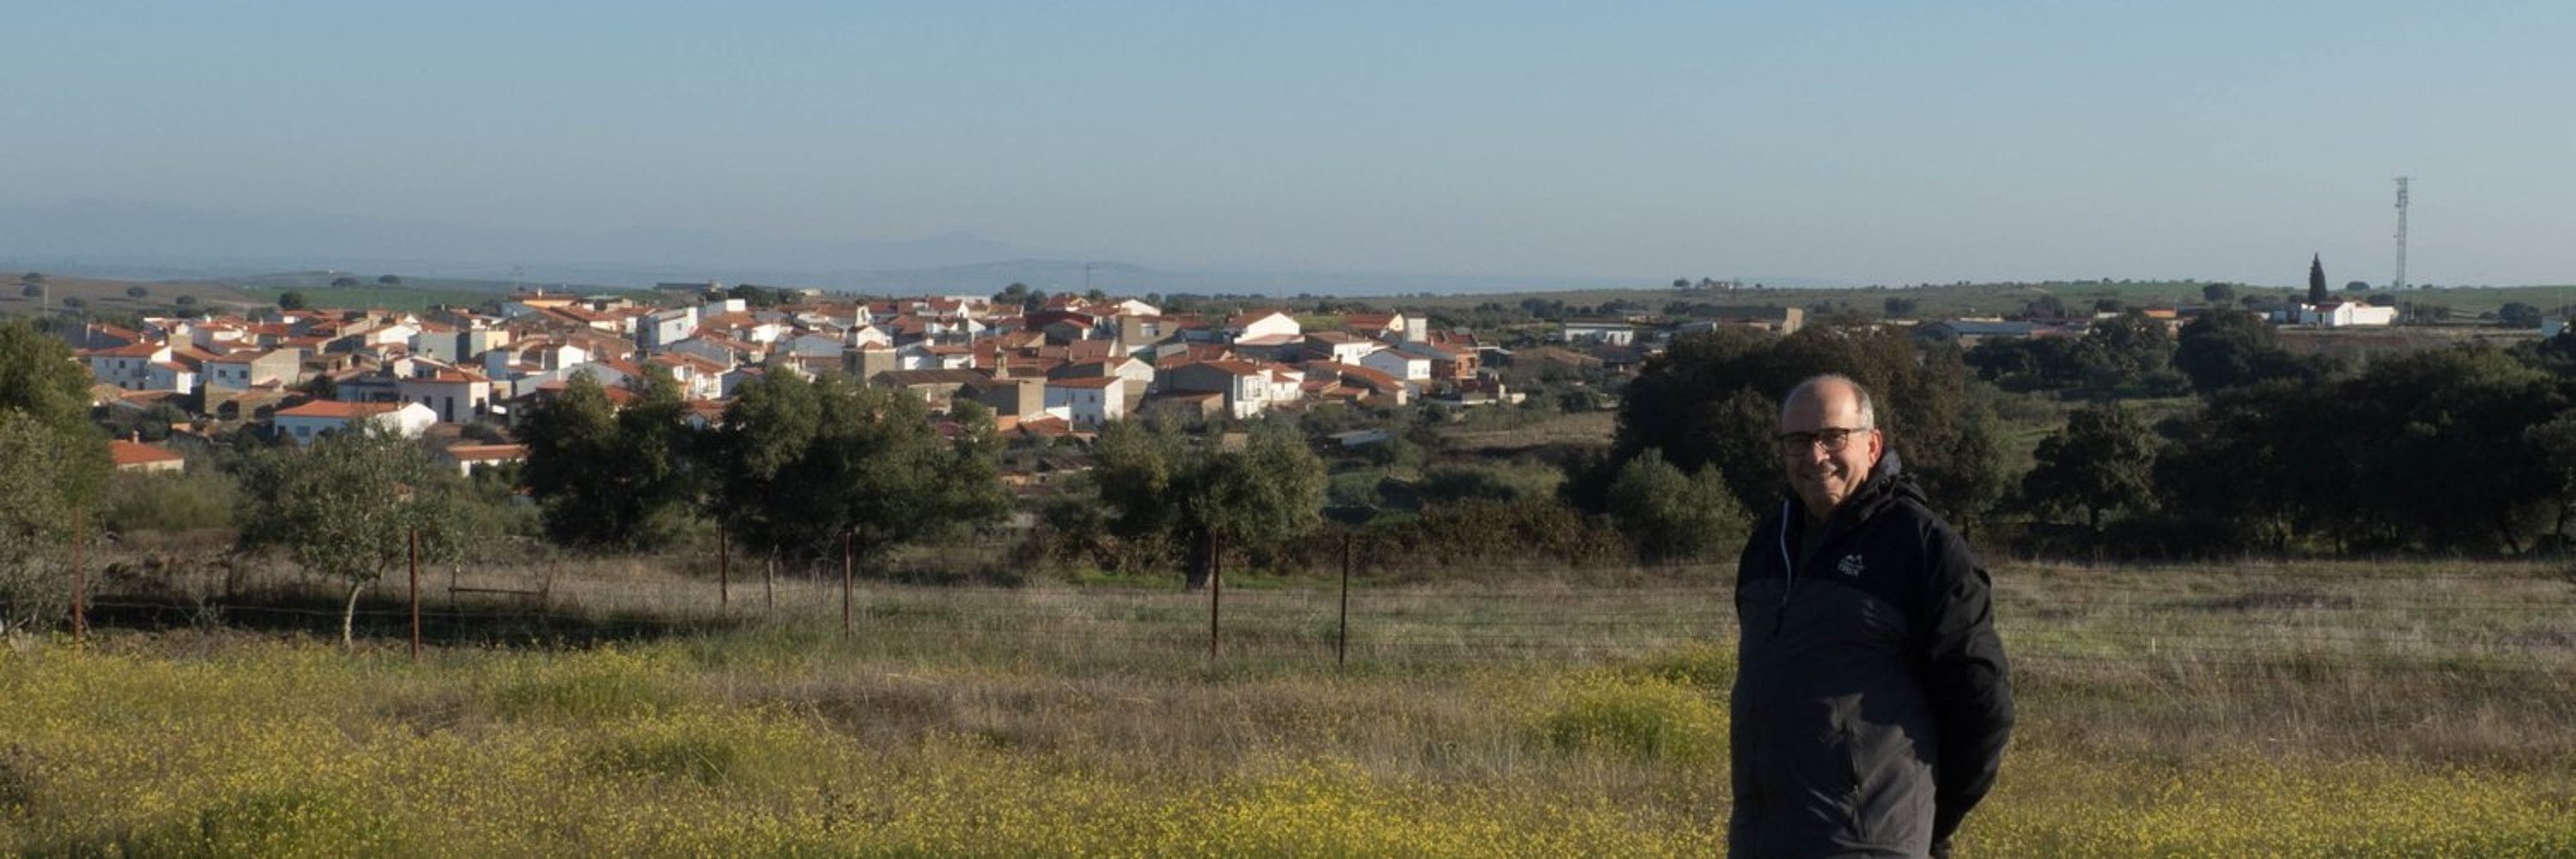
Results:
1862 142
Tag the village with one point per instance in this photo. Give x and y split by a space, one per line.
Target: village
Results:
1050 369
1054 370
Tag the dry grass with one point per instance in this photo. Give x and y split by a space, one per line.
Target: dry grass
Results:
1578 429
2300 709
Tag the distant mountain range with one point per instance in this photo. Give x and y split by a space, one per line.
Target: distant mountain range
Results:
146 241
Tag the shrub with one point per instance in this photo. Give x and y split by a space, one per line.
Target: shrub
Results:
1497 482
1485 533
1670 516
606 683
171 502
1643 717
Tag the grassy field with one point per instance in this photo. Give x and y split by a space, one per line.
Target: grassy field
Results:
2314 709
109 298
385 297
236 295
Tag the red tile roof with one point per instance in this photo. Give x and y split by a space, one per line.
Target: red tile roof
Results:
1241 320
488 452
337 409
136 453
1238 368
138 350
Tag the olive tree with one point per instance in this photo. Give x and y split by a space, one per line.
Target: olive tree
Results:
611 479
346 507
35 519
804 464
2102 461
38 377
52 463
1162 488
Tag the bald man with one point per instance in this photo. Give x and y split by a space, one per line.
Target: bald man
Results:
1871 704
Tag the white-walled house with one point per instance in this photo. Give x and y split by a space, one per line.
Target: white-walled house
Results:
660 329
391 333
609 374
1246 385
814 346
476 341
865 336
1287 383
699 378
1607 333
1138 375
534 355
1270 323
1399 363
306 422
723 353
169 376
2344 314
1339 347
252 368
457 396
1087 402
127 367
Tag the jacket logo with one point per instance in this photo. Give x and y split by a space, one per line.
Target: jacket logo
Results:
1850 566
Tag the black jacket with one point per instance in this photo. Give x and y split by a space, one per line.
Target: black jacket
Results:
1871 704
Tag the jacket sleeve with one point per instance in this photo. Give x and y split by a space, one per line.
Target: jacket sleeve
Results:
1965 678
1743 809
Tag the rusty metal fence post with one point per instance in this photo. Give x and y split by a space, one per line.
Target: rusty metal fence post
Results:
415 593
80 578
1342 638
1216 589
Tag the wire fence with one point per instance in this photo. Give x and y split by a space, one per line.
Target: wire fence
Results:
2465 622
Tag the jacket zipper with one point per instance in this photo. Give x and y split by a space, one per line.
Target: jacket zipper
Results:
1788 568
1788 563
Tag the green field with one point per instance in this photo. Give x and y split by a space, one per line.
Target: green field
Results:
2311 709
1988 299
385 297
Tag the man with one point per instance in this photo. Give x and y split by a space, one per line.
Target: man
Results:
1871 705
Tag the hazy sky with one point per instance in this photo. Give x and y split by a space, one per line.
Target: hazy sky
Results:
1869 142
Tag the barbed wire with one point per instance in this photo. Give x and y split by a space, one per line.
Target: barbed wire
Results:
1447 624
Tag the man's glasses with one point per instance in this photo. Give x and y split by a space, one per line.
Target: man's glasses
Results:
1833 439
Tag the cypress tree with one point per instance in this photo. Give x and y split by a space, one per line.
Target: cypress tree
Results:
2316 281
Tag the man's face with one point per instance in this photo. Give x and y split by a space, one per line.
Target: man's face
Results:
1824 478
